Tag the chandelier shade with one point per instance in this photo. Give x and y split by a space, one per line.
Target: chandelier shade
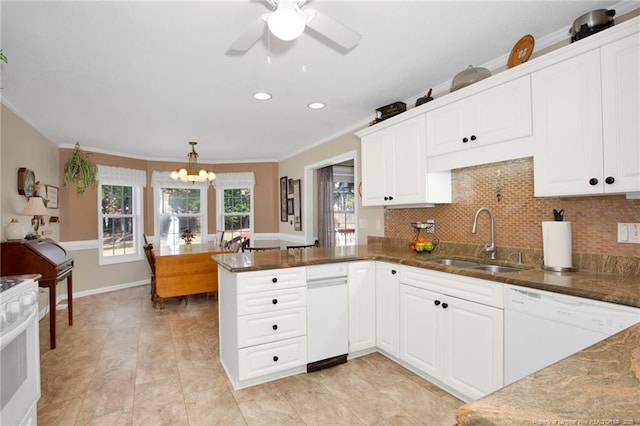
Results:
192 172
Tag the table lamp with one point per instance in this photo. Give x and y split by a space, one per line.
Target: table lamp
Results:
35 207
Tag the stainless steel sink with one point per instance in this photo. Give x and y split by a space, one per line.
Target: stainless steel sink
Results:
496 268
455 262
474 265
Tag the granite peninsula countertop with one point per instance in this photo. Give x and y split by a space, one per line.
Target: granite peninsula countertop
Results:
623 290
599 385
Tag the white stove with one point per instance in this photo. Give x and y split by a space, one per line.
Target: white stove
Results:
19 351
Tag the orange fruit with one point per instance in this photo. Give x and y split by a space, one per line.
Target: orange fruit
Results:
421 239
412 247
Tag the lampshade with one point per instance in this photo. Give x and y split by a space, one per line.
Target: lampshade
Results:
35 207
286 23
192 173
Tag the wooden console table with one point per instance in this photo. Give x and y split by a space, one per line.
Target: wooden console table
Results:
182 272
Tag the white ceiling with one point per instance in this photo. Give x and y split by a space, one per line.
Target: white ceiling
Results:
144 78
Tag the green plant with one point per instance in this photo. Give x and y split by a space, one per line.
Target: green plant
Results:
81 170
3 58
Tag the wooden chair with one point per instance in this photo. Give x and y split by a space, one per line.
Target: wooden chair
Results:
151 260
316 243
146 241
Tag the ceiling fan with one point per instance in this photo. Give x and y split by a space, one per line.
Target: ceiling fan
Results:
287 21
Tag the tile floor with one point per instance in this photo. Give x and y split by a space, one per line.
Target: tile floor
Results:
125 363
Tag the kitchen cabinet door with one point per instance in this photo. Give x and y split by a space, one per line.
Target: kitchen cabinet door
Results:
421 329
472 347
394 167
495 115
387 305
362 307
621 114
567 127
375 153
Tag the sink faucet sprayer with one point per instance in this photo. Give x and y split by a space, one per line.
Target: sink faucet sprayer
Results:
490 247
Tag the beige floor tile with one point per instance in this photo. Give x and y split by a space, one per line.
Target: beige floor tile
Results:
57 413
109 395
125 363
210 407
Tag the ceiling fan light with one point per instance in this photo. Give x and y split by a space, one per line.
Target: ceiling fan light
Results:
286 24
316 105
262 96
182 172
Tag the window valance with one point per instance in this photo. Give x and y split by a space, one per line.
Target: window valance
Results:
234 180
163 180
109 175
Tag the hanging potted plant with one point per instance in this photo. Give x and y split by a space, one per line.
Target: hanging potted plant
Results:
81 170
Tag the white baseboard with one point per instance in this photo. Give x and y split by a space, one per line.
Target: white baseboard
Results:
76 295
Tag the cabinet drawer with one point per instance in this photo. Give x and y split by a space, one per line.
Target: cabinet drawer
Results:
467 288
262 360
270 301
271 326
272 279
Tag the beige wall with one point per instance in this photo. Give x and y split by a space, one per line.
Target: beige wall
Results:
370 219
23 146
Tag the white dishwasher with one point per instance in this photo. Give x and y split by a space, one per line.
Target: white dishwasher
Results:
541 328
327 315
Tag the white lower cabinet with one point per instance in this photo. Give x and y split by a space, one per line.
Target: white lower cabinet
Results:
362 307
420 330
455 341
387 308
263 324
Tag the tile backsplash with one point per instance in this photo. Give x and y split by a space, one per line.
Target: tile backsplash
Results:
507 189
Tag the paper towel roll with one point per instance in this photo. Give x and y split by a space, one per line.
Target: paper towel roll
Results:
556 241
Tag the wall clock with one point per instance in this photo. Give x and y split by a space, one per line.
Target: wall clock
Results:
26 182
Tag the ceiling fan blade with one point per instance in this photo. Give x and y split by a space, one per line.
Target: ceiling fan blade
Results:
251 35
333 30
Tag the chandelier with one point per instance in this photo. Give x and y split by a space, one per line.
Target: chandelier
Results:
192 173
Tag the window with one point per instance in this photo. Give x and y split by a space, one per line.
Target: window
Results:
178 206
234 203
180 209
120 214
237 213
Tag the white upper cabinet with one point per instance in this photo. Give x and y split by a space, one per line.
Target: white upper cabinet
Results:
493 125
586 109
621 114
394 167
496 115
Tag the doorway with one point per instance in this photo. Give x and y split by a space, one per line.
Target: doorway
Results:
345 211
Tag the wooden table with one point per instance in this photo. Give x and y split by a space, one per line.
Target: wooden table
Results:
181 271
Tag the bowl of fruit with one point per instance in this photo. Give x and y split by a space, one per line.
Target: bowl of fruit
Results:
422 245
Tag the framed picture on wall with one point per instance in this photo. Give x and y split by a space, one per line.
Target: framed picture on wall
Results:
297 210
290 186
283 199
52 196
290 206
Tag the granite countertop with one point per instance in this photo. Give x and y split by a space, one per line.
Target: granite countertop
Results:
599 385
620 289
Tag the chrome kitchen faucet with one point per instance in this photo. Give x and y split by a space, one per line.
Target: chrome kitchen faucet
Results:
489 247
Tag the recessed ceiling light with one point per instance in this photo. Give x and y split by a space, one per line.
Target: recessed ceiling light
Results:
262 96
316 105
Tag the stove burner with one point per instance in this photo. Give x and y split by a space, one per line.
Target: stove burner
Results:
7 283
